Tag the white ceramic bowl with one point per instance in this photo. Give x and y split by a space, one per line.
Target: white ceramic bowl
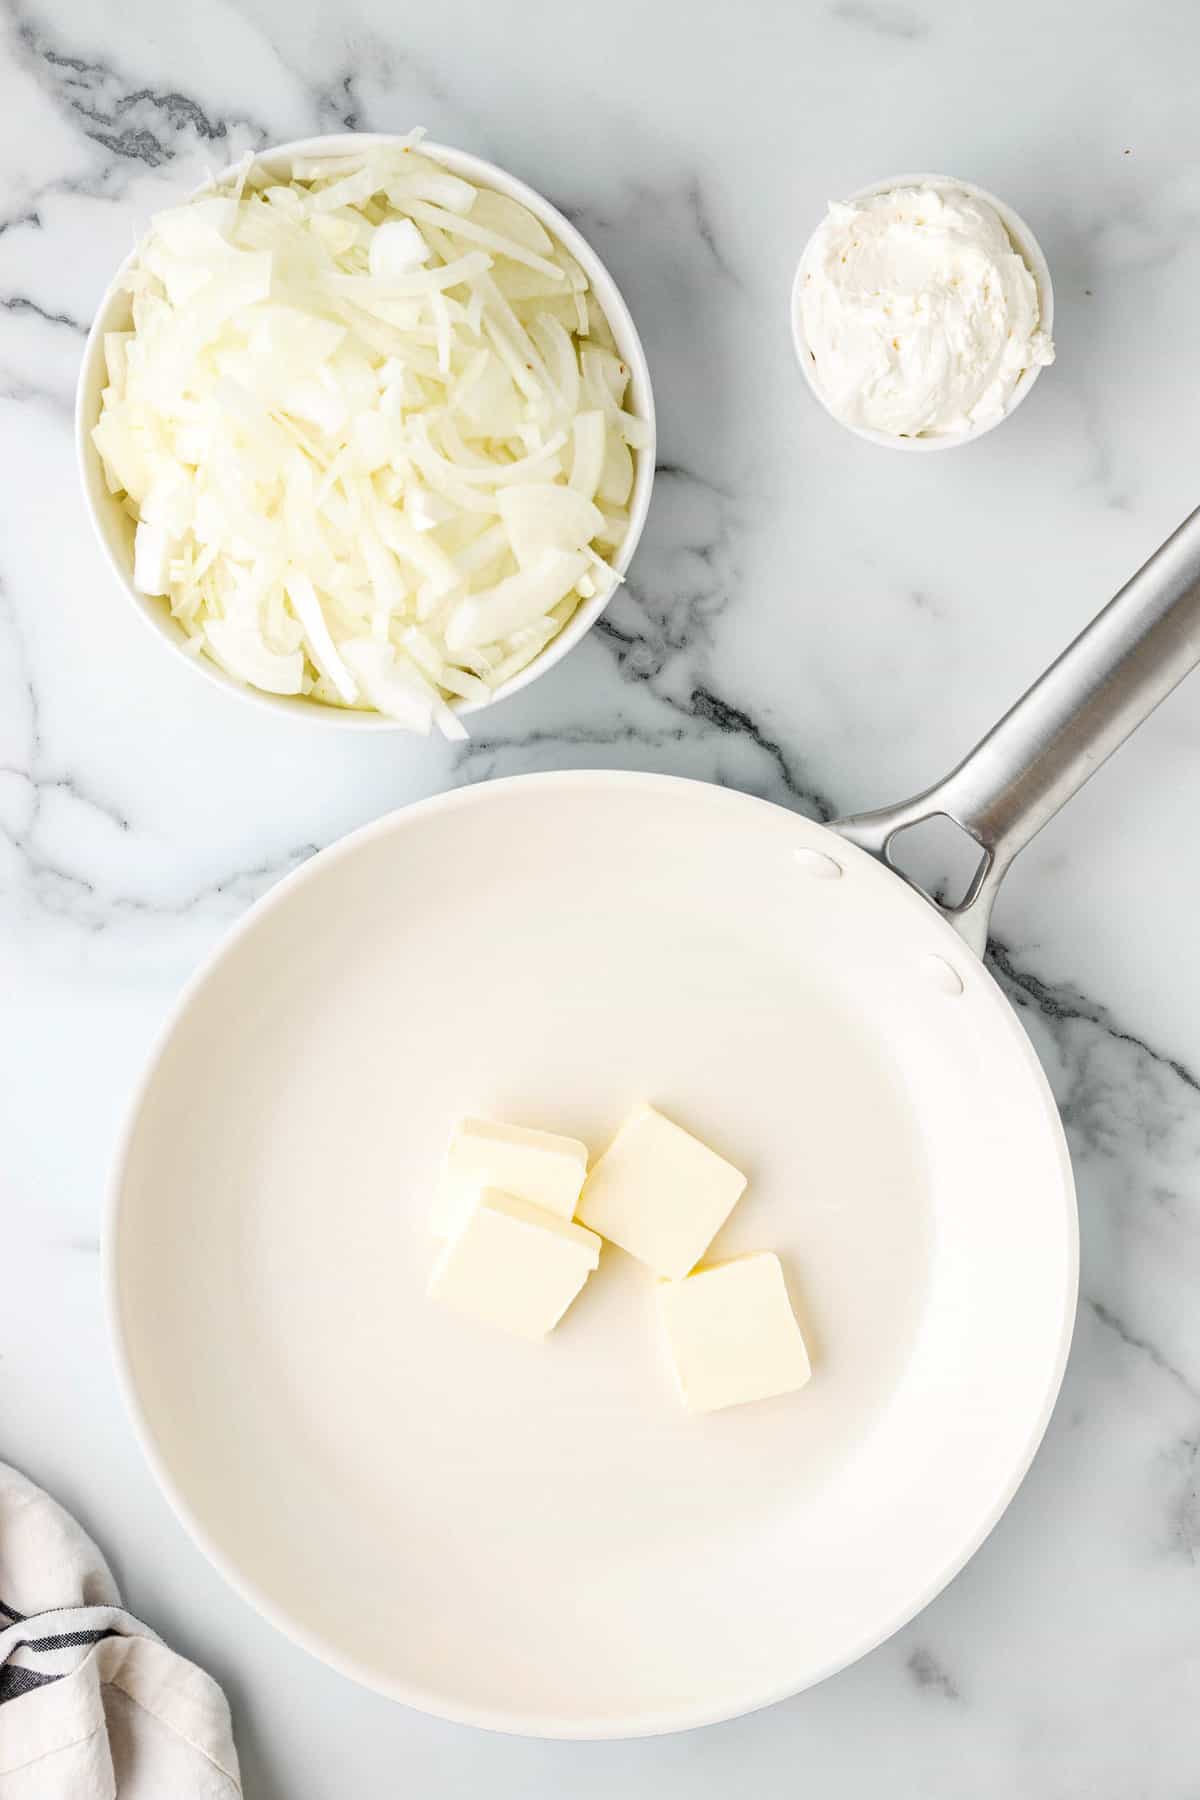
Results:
114 528
1023 242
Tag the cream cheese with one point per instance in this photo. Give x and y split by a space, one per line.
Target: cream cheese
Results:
919 313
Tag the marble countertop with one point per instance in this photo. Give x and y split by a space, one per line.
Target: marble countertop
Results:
809 618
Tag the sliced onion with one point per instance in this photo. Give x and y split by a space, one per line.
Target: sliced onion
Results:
241 652
589 441
396 247
372 431
540 516
392 687
303 596
498 612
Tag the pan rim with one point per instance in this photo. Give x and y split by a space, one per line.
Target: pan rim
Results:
659 1721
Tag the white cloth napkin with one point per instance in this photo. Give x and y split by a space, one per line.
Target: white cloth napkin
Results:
93 1706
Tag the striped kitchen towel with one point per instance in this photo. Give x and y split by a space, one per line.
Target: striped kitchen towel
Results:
93 1706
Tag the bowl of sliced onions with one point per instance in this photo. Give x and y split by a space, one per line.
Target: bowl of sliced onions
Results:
366 432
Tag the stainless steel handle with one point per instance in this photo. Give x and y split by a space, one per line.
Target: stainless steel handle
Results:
1058 734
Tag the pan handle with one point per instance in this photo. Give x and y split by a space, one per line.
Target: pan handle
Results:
1043 750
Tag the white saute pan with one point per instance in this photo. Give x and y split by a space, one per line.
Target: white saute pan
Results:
536 1538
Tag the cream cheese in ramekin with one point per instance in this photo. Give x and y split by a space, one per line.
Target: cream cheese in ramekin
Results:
919 313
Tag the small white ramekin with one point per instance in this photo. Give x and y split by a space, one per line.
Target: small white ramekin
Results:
114 528
1026 245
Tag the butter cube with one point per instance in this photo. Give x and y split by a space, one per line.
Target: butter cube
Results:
660 1193
514 1266
537 1166
733 1334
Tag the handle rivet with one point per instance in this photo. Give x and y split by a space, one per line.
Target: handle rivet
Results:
818 865
944 976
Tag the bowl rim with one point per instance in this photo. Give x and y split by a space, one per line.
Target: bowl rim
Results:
151 609
1023 241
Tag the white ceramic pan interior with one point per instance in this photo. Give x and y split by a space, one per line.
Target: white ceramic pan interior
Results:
536 1537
